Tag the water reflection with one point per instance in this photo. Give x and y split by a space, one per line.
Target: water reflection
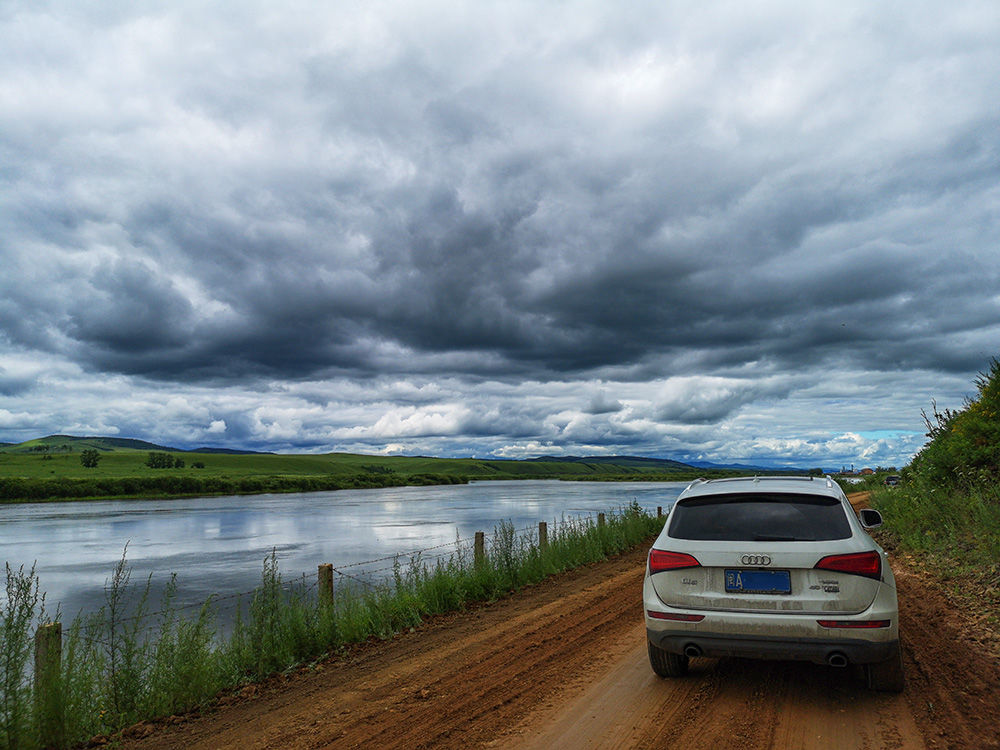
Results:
217 545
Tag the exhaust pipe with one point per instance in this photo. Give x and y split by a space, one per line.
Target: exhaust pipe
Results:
836 659
693 650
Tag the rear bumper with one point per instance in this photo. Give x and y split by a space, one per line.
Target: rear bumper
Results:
819 651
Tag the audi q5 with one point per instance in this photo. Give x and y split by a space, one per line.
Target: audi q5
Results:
772 568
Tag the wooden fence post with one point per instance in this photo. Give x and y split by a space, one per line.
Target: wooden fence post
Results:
543 536
480 549
48 696
325 581
659 511
600 520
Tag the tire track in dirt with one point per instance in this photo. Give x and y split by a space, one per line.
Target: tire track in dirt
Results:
563 664
451 683
486 683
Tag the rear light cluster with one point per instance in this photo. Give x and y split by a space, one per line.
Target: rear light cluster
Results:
867 564
855 624
660 560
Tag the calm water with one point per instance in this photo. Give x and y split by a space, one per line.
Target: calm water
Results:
217 545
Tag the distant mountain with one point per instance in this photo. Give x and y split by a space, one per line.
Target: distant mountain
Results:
749 467
57 443
633 462
665 464
229 451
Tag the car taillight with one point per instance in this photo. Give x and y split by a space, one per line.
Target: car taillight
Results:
867 564
660 560
855 623
672 616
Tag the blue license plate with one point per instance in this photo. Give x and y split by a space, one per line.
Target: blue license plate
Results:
758 581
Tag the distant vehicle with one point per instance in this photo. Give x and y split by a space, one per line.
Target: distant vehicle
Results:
771 568
892 480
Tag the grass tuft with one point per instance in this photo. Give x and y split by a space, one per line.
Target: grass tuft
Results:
120 665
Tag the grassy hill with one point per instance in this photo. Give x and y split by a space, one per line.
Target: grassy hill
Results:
50 468
70 443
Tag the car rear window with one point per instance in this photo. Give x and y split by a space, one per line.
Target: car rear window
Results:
760 517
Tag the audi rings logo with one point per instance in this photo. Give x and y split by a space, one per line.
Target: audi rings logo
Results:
755 560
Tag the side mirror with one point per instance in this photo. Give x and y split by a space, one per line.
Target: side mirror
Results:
870 518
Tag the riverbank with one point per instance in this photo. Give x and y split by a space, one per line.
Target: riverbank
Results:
110 674
54 469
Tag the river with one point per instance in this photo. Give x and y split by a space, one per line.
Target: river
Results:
217 545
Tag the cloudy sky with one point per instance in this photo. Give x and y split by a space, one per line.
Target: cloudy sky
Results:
761 232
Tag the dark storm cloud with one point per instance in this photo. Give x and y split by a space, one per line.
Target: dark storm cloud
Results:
125 308
12 385
498 194
655 247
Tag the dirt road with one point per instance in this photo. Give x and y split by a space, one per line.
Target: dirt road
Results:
563 664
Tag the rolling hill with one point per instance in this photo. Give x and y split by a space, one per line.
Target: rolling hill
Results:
51 468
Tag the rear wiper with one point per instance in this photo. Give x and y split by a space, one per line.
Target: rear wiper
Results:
769 538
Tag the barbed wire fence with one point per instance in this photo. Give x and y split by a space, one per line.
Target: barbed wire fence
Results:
114 625
358 573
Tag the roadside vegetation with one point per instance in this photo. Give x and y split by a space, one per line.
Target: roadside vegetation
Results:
131 661
946 509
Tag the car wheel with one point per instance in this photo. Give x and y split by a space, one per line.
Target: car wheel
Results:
666 664
887 675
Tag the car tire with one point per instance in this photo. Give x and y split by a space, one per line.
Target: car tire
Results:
666 664
887 676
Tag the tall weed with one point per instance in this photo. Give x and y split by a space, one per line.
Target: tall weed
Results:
22 607
125 663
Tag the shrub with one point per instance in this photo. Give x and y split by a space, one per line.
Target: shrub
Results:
90 458
160 460
964 446
948 504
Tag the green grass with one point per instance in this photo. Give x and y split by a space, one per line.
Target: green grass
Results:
945 514
50 469
118 669
131 463
962 525
950 533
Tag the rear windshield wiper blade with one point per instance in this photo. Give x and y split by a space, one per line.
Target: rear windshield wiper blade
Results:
770 538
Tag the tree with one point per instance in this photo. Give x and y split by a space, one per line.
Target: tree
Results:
159 460
90 458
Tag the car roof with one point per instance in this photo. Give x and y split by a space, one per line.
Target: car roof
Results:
771 484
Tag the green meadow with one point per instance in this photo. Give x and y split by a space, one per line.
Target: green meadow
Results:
52 469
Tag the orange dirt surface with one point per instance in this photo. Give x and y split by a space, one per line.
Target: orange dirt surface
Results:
563 665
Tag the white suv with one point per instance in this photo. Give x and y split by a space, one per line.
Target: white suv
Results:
771 568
